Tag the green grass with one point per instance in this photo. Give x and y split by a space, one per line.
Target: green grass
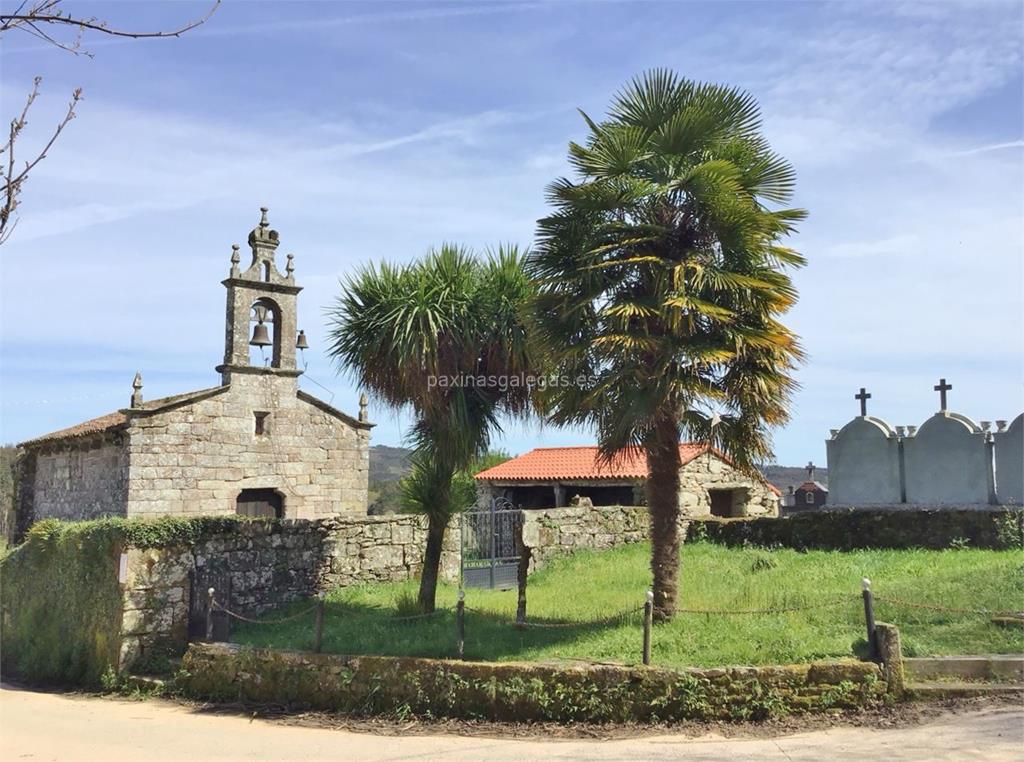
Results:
591 586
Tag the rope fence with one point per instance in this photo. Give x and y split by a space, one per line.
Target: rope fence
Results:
625 616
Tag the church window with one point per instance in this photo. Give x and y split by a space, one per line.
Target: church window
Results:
261 423
809 498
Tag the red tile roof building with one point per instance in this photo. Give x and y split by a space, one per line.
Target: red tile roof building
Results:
553 476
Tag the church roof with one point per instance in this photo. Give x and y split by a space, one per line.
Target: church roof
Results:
98 425
118 419
553 463
812 486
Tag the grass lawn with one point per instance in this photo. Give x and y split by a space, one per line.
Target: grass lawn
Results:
590 586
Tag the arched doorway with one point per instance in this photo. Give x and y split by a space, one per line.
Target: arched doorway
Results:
260 504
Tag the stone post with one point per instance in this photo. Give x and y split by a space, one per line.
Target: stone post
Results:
887 636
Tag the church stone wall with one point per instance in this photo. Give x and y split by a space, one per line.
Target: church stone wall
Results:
752 498
195 459
86 481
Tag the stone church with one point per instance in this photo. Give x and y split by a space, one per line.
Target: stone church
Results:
255 445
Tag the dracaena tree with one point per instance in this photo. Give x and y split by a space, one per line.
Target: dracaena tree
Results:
421 337
662 278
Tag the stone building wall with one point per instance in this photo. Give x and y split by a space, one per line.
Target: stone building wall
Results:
83 481
196 458
754 497
259 566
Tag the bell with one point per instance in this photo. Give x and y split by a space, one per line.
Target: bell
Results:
300 342
260 336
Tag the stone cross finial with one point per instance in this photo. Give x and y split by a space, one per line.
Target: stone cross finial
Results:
363 402
942 387
137 390
863 397
810 470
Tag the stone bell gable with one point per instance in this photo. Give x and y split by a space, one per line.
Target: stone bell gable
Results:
256 444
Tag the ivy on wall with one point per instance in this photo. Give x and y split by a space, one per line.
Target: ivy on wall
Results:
61 603
61 600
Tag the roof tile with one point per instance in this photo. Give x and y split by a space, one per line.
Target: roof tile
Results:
580 463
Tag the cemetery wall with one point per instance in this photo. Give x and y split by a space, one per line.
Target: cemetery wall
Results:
560 531
525 692
862 528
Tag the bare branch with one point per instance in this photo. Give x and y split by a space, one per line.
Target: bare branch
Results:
48 12
13 181
31 17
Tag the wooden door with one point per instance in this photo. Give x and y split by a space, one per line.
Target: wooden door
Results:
260 504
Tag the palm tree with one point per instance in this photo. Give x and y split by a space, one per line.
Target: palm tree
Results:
661 279
421 336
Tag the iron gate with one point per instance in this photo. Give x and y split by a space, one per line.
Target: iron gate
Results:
490 558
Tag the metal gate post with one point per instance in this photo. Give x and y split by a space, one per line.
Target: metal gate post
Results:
494 535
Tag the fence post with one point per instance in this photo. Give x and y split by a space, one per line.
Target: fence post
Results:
318 631
209 614
460 623
869 618
648 621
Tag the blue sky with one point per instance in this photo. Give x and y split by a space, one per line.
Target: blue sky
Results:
373 131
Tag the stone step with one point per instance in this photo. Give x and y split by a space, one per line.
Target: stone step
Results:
951 689
1000 668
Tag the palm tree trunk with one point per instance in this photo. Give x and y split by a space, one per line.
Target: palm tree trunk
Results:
663 464
436 525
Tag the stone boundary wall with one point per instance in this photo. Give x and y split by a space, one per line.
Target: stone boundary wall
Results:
560 531
861 528
524 692
257 566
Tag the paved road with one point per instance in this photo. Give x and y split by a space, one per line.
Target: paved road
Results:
45 726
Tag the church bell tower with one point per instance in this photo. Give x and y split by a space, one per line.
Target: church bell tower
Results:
261 312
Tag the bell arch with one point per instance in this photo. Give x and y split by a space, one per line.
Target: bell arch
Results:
265 335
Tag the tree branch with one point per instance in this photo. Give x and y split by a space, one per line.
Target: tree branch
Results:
47 12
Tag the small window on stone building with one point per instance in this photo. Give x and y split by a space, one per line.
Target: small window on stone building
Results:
809 498
261 423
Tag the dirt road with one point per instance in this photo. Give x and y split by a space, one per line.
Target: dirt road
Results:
47 726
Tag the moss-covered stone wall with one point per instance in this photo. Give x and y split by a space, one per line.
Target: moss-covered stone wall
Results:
373 685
